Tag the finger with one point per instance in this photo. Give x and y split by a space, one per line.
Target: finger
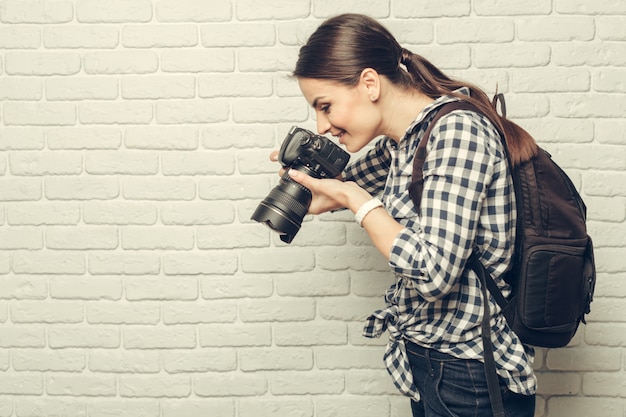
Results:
274 156
300 177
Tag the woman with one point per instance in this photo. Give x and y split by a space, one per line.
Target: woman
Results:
365 87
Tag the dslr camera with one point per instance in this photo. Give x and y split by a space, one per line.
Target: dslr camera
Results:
286 205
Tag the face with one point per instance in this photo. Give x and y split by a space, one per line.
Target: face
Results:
348 113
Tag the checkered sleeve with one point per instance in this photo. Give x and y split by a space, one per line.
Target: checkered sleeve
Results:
457 173
371 170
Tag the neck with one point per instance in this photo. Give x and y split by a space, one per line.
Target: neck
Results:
400 108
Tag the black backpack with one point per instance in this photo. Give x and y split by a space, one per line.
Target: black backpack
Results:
553 271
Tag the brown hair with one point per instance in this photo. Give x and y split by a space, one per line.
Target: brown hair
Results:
344 45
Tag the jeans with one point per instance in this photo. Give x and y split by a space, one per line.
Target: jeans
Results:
452 387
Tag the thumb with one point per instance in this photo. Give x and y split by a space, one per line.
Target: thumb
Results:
299 177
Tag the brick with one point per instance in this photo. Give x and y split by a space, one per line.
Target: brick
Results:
161 137
158 188
559 383
370 284
310 334
235 335
22 337
169 386
39 114
608 157
191 111
609 384
120 213
78 36
83 337
78 88
124 361
276 10
162 289
255 286
572 54
235 85
159 337
120 162
124 408
125 112
328 8
306 383
276 407
448 8
238 136
306 284
22 138
38 406
230 237
277 310
78 385
36 11
609 234
266 59
18 88
21 384
237 35
47 312
21 238
197 213
198 61
233 188
606 209
84 138
200 361
352 407
109 312
193 10
192 313
167 238
477 30
589 7
288 260
116 11
351 309
49 262
229 384
549 81
610 80
359 259
605 184
42 63
158 87
556 29
24 288
496 8
159 36
81 188
132 263
374 383
275 359
341 357
67 360
579 359
197 163
81 238
120 62
584 406
91 288
610 285
211 262
611 28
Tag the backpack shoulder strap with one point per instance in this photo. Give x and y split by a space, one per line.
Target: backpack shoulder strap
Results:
417 179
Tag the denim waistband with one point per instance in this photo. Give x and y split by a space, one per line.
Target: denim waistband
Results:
415 349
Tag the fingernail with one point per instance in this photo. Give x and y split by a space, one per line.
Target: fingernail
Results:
293 173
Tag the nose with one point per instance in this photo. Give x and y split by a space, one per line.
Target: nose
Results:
323 125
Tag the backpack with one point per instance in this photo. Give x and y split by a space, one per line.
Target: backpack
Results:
552 273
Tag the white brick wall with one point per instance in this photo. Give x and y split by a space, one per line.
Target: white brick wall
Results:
134 138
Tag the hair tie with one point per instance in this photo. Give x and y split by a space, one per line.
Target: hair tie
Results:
405 56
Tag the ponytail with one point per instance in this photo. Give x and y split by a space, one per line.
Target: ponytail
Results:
434 83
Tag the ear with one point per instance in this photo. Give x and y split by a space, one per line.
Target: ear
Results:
370 83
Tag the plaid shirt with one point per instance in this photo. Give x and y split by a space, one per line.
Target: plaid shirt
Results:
467 203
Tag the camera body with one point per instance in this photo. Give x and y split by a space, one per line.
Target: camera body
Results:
316 155
286 205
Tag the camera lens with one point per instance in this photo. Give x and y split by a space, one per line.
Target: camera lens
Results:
284 207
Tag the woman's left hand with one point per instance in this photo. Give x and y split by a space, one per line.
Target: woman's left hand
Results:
331 194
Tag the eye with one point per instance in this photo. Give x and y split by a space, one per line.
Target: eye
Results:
325 108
